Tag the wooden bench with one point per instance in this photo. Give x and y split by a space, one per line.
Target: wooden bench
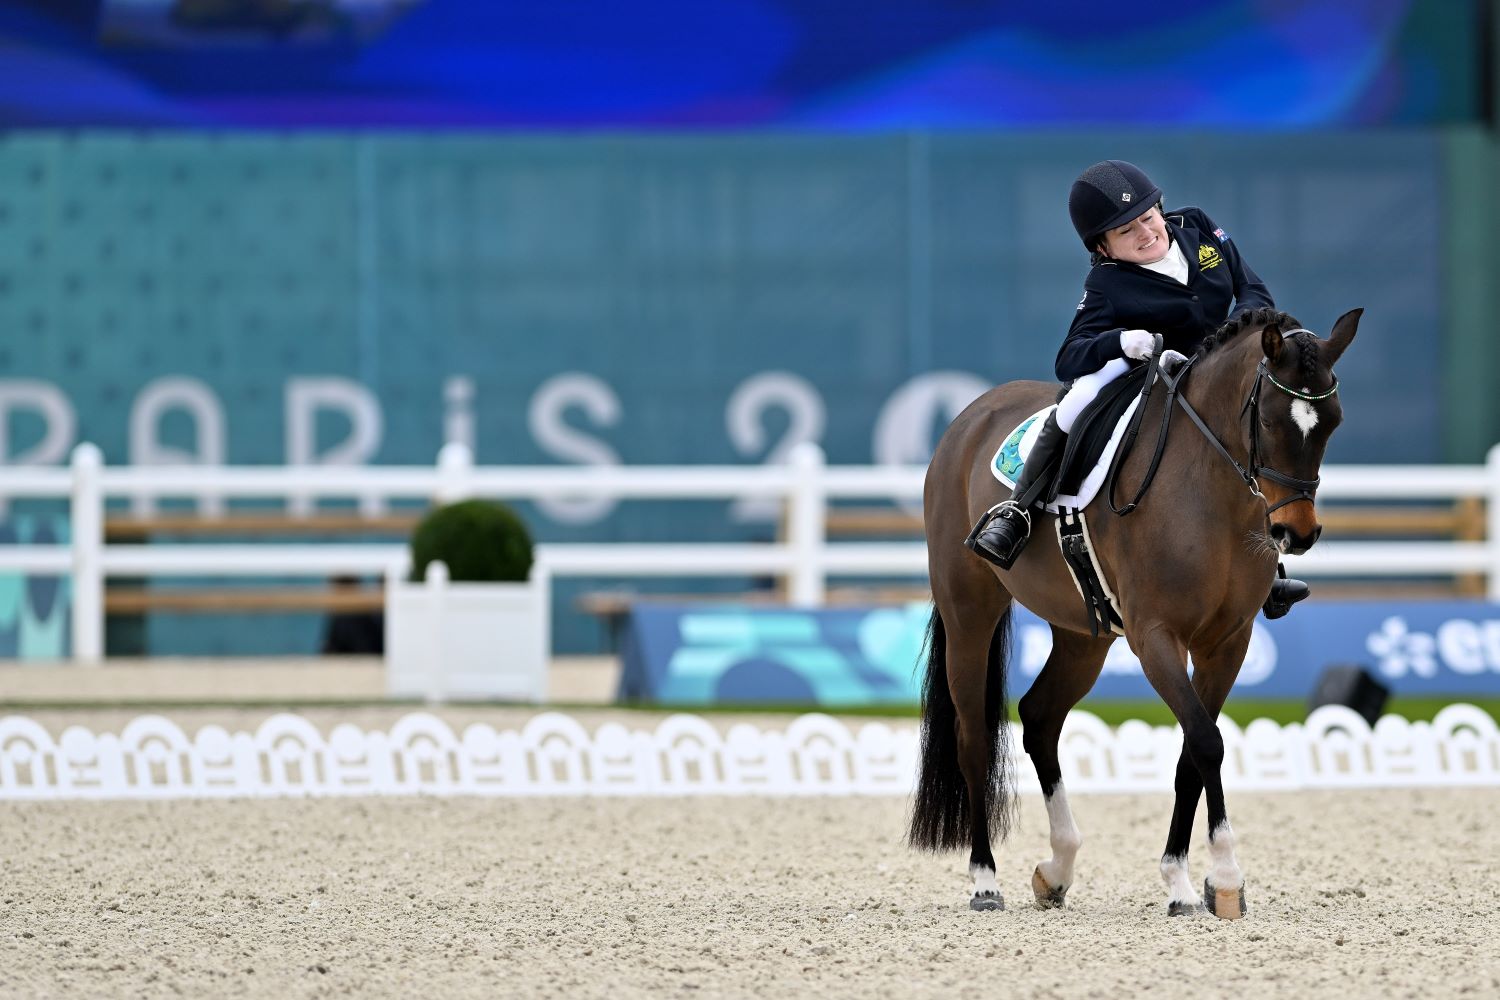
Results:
123 599
1463 520
321 600
132 528
1460 520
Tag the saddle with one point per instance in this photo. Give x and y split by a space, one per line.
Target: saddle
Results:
1091 444
1095 427
1103 434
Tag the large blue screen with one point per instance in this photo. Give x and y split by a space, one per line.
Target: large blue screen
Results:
686 64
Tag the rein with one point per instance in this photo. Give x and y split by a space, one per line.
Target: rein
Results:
1112 477
1252 472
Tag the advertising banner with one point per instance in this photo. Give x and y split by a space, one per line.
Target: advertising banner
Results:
702 654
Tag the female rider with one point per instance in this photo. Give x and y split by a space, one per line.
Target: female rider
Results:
1175 273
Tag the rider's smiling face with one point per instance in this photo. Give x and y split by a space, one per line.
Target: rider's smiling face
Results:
1143 240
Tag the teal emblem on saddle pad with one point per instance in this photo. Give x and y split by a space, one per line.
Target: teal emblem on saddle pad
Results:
1008 461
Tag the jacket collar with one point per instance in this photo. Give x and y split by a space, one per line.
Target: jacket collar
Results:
1187 239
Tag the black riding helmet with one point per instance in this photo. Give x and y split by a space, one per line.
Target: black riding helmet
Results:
1108 195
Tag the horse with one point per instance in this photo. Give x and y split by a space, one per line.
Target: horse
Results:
1191 567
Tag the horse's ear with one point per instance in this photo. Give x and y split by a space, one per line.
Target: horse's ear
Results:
1270 341
1343 333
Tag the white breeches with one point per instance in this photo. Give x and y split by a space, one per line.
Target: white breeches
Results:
1085 388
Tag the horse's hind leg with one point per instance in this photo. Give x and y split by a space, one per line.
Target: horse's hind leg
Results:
969 641
964 709
1069 673
1198 770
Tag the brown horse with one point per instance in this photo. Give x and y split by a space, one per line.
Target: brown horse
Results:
1190 569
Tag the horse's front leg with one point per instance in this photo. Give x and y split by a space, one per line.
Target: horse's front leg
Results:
1213 675
1196 704
1182 897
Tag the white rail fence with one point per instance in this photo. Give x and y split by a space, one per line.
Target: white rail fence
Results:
552 754
806 559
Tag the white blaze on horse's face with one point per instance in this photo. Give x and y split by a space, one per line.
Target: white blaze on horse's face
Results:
1304 416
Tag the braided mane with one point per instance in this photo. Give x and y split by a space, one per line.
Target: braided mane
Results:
1309 365
1308 362
1250 319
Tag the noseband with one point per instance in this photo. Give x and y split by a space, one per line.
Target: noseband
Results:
1304 487
1253 471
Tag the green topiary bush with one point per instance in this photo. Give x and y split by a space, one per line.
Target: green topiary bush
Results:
481 542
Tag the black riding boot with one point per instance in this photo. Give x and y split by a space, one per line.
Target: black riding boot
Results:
1284 593
1002 531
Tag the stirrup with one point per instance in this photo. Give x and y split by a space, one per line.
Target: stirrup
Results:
1002 509
1007 510
1291 591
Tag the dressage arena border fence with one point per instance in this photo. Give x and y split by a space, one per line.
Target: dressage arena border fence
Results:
552 754
804 561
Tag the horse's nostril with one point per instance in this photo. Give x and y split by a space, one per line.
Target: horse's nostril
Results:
1278 531
1317 534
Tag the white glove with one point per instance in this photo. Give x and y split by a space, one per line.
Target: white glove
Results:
1137 344
1171 359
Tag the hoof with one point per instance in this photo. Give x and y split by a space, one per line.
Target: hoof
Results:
1226 904
1177 908
987 901
1048 897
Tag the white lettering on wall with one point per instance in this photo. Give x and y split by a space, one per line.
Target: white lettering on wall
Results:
458 412
909 424
59 421
545 418
745 419
160 397
58 418
305 399
911 420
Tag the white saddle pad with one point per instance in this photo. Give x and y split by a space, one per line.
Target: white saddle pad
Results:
1011 458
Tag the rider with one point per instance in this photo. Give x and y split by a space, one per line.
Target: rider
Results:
1175 273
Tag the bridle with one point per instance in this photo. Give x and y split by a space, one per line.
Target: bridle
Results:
1253 471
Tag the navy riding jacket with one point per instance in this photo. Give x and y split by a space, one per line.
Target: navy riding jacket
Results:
1121 296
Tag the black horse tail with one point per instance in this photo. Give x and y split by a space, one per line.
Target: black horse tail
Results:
940 816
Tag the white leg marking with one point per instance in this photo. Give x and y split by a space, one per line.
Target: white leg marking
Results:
1174 872
1065 840
1224 873
1304 416
984 880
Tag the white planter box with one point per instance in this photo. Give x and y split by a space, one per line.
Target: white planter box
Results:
455 641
